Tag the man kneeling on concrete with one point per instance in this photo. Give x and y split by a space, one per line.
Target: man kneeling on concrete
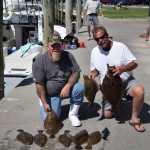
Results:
56 74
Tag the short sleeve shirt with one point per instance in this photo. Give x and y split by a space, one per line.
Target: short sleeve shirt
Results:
54 75
119 55
92 6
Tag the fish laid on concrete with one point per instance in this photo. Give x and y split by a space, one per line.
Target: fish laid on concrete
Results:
90 89
25 137
40 139
65 139
112 88
51 124
93 139
81 138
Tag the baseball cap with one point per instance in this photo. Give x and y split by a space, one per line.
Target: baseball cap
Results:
54 38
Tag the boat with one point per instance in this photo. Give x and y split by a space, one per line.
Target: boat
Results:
23 24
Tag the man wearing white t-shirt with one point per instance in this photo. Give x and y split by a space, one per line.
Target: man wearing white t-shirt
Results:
118 54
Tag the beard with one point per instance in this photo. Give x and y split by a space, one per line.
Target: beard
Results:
56 56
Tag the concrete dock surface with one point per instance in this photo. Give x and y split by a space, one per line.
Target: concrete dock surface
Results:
19 109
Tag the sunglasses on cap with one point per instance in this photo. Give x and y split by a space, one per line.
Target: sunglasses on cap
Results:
101 37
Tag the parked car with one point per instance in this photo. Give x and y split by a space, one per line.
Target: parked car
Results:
134 2
104 1
124 2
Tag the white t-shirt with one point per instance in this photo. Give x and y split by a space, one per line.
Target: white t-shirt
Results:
92 6
119 55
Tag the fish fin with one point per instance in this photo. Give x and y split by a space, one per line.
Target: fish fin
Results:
20 130
40 131
89 146
98 87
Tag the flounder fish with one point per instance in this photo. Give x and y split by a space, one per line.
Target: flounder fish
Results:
40 139
93 139
65 139
112 88
25 137
81 138
90 89
51 124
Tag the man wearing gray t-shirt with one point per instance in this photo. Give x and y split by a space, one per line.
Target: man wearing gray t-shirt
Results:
56 74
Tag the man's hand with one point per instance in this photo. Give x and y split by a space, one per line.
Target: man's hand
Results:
117 71
129 67
93 74
65 90
47 108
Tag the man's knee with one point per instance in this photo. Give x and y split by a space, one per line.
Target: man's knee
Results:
108 114
79 87
138 90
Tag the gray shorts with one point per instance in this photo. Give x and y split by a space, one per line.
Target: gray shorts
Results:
92 19
128 85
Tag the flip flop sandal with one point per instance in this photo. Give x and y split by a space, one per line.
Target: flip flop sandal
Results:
142 35
136 123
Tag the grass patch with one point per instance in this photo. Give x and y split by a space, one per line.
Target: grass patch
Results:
130 12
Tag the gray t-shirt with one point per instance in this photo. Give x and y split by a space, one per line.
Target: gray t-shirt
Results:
54 75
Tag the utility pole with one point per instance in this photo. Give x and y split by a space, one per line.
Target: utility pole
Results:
79 14
68 16
61 13
1 53
48 12
56 13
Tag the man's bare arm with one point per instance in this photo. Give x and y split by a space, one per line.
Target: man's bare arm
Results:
71 81
129 67
42 95
74 78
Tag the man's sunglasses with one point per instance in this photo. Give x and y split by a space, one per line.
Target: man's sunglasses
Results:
101 37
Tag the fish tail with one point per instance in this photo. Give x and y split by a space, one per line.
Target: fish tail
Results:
78 147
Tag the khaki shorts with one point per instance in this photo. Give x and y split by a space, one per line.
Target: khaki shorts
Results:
128 85
92 19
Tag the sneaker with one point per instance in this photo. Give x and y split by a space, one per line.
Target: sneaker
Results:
75 120
89 38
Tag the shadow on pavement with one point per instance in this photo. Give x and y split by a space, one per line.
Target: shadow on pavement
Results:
127 111
87 113
84 112
25 82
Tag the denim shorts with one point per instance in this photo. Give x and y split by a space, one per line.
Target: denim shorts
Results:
128 85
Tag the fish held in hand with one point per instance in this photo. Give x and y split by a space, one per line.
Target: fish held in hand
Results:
112 89
91 87
25 137
51 124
